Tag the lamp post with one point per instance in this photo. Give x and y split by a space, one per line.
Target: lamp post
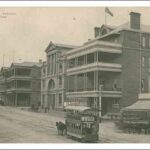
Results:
100 101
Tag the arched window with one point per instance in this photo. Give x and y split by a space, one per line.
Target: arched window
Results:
51 84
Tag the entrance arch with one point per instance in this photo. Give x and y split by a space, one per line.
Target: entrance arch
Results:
51 95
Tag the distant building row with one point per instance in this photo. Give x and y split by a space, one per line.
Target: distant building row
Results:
20 84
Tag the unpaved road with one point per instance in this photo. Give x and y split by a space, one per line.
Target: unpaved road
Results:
18 126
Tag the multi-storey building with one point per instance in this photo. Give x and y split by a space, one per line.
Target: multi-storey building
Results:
117 60
53 77
20 84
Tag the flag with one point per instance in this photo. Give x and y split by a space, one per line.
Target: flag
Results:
108 11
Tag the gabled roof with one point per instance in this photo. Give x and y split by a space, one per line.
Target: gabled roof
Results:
53 46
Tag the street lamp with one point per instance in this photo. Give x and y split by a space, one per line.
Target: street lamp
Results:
100 101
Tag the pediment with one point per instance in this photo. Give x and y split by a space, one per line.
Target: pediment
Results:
50 47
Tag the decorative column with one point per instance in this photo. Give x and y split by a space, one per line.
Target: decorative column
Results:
86 81
76 62
49 64
75 82
96 80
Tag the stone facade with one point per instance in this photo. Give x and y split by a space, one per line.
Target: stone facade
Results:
53 77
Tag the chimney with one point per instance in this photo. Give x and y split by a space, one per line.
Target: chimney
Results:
97 31
135 20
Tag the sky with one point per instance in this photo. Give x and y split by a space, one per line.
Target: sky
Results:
25 32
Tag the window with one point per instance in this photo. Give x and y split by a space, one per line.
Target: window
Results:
149 62
43 71
81 60
143 61
60 99
43 84
60 68
143 41
142 84
90 58
71 63
60 81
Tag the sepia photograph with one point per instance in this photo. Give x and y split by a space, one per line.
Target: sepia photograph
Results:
74 75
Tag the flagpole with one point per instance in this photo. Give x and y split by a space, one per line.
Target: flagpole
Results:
105 18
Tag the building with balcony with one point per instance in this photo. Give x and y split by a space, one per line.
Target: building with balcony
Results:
20 84
53 91
117 60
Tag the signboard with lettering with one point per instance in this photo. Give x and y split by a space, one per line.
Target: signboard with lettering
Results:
87 119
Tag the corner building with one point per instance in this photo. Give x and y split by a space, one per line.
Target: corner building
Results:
117 59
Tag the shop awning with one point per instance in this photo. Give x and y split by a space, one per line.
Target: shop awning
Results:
139 105
78 108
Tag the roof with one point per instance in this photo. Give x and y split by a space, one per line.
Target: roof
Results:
139 105
52 45
4 68
110 26
28 64
144 28
78 108
117 29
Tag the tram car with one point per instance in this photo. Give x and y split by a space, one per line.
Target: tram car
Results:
82 123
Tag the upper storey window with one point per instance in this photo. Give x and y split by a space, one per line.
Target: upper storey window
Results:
143 41
44 71
143 61
71 63
90 58
60 68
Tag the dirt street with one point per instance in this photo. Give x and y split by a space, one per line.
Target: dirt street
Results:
18 126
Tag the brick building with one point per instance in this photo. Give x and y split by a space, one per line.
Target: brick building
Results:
118 59
20 84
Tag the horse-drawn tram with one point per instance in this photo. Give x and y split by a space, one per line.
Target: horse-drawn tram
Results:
82 123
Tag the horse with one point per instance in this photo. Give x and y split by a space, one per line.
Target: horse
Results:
61 127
